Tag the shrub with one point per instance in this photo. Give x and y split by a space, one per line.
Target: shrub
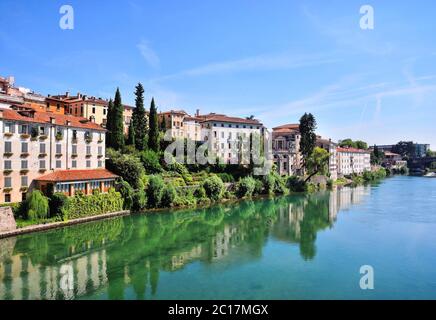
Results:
258 186
57 201
127 166
150 161
139 200
226 177
36 206
91 205
269 183
154 191
126 191
200 192
214 187
296 184
168 196
245 187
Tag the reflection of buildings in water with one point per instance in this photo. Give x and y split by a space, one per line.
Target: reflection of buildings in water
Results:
20 279
224 240
345 197
181 259
291 216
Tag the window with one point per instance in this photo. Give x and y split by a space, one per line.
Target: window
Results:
41 131
42 148
104 111
214 134
41 164
7 198
74 164
88 150
222 145
23 196
222 134
8 146
64 188
58 148
74 134
94 185
24 181
8 164
24 147
93 109
24 164
230 135
222 125
9 127
88 163
24 129
58 164
74 148
237 126
100 151
230 125
100 164
8 182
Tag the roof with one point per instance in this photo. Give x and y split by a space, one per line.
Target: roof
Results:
45 118
354 150
224 118
175 112
78 175
289 126
388 153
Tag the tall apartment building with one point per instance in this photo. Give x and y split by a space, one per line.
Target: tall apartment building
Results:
331 148
226 134
353 161
48 151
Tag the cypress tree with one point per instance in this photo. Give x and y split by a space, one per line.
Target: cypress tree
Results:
118 125
109 123
138 118
163 124
131 141
308 136
153 134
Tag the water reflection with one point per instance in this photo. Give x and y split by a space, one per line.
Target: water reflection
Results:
107 257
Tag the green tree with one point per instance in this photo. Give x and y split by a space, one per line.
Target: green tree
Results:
214 187
405 149
317 162
347 143
36 206
131 140
116 127
139 118
163 124
308 136
361 145
153 134
155 189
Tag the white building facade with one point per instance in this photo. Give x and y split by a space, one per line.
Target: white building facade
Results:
352 161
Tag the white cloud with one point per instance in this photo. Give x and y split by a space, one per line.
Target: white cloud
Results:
148 54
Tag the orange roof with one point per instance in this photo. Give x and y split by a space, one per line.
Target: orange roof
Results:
340 149
290 126
44 117
78 175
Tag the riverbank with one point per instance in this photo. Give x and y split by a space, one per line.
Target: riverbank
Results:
60 224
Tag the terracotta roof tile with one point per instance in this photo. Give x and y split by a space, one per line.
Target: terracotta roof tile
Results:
44 117
224 118
77 175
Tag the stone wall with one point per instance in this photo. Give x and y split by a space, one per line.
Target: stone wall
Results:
7 220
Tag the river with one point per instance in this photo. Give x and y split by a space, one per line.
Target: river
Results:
290 247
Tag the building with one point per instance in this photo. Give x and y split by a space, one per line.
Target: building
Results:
331 148
420 149
352 161
12 95
173 121
42 150
226 135
286 149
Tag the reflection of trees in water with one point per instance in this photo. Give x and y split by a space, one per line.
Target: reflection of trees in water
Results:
133 250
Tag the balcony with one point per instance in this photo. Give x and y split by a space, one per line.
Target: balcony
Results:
88 155
7 172
58 155
7 154
100 156
8 134
43 137
42 155
24 154
7 190
24 171
59 136
74 140
25 136
74 155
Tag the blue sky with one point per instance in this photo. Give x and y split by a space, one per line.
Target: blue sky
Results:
273 59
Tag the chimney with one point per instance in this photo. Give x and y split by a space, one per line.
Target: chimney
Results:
52 120
197 113
79 95
67 94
